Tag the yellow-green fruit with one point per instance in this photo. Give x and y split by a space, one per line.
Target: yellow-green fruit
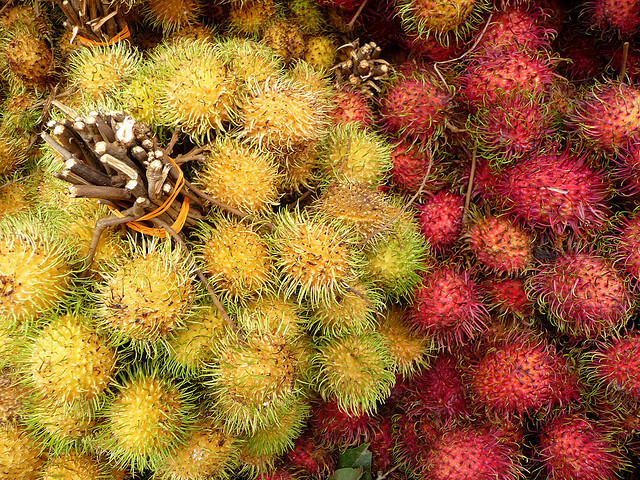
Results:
437 17
408 350
279 437
196 90
250 62
308 15
357 154
99 71
355 370
252 466
58 428
352 312
34 273
286 38
25 14
12 394
69 363
13 151
20 458
29 58
282 115
67 43
75 466
316 81
14 197
209 453
240 176
140 97
197 32
146 421
20 112
315 259
250 17
10 334
357 205
195 344
296 169
147 296
172 15
272 313
321 52
254 381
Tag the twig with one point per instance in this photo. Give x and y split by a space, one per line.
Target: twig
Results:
172 142
625 55
404 207
472 174
382 476
15 180
7 5
356 15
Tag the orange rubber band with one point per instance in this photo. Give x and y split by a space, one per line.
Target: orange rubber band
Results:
122 35
180 219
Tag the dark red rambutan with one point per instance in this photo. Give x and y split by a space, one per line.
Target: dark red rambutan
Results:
572 447
334 427
507 297
627 253
345 5
415 107
429 48
555 191
485 180
620 16
519 374
584 294
490 77
608 115
627 167
470 452
617 365
500 244
438 392
409 168
352 106
447 307
584 57
513 28
381 443
308 457
516 125
412 437
440 220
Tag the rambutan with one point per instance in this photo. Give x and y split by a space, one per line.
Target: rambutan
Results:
308 457
440 220
20 458
558 191
410 165
334 426
571 447
250 62
28 57
172 15
352 106
584 55
286 38
617 365
627 167
74 466
584 294
627 248
507 297
250 17
381 443
621 16
447 307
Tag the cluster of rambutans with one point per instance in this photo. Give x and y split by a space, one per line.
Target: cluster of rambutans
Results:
446 270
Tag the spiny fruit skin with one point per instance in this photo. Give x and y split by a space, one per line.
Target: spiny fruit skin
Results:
507 297
251 17
172 15
627 245
490 77
519 375
355 370
308 457
621 16
334 426
414 107
440 220
29 57
627 167
320 52
447 307
286 38
584 293
617 365
409 168
500 244
278 437
352 106
436 17
467 452
557 191
74 466
573 448
608 115
20 459
69 362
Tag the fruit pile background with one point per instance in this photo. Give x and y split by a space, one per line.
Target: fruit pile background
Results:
422 251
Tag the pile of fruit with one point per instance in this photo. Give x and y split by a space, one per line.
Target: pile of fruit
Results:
295 239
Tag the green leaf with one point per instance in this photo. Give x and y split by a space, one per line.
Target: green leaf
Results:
359 456
347 474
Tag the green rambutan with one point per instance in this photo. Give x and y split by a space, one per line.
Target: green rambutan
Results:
320 52
273 313
286 38
250 17
12 395
250 62
356 370
308 14
172 15
13 151
584 294
75 466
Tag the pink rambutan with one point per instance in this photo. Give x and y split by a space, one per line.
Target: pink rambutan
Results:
500 244
507 297
617 365
516 125
308 457
440 220
489 77
438 392
447 307
608 115
409 168
620 16
627 254
277 474
584 294
555 191
627 167
571 447
352 106
416 107
334 427
469 452
519 374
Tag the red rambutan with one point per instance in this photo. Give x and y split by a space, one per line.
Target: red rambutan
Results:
429 48
621 16
627 253
584 294
308 457
572 448
584 57
409 168
627 167
440 220
334 427
618 365
507 297
555 191
352 106
381 444
447 307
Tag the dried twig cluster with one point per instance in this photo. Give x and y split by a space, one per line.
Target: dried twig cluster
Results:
363 67
94 21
